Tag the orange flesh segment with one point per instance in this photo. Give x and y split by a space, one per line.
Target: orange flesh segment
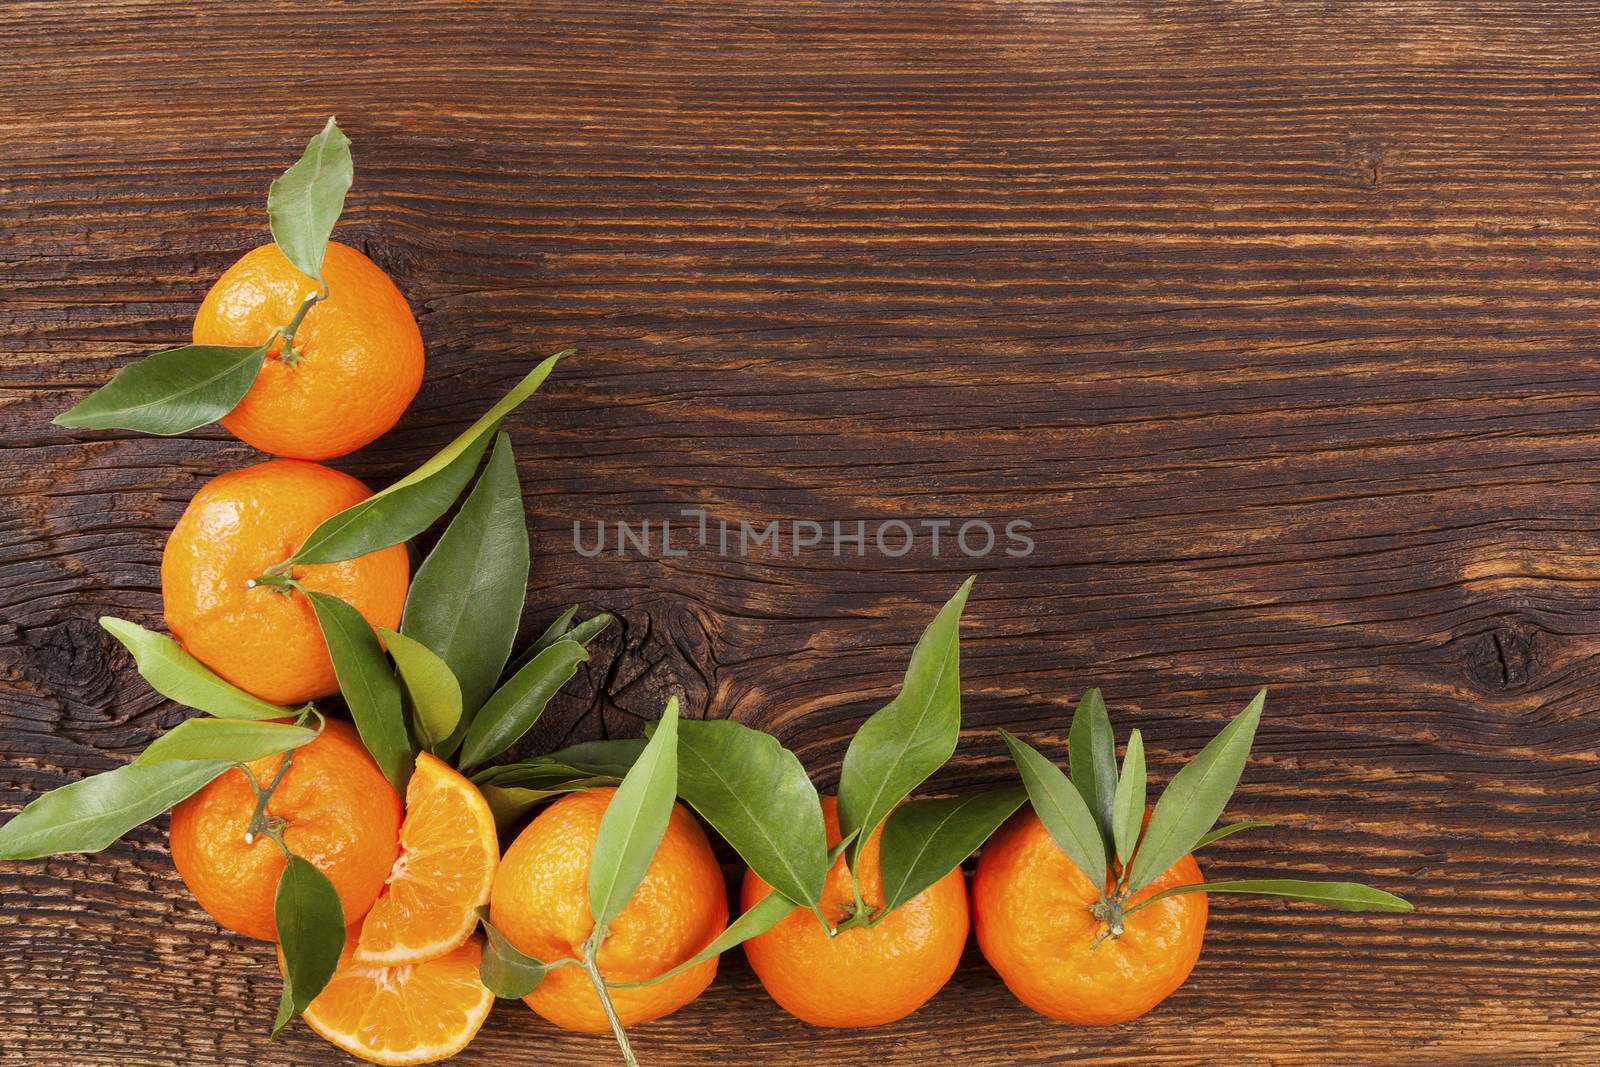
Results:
416 1013
448 854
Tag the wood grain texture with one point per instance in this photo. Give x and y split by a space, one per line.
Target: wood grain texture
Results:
1276 319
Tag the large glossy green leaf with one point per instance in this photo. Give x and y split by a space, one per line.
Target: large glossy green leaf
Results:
756 794
509 803
1062 809
176 675
762 916
399 512
562 629
614 757
1128 810
513 708
435 695
912 736
924 840
1344 896
466 599
170 392
634 822
1092 757
304 204
310 923
505 970
370 688
225 739
1195 797
89 814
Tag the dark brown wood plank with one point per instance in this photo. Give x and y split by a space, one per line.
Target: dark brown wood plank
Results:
1276 320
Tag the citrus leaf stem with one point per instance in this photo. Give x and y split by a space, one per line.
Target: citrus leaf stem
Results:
591 949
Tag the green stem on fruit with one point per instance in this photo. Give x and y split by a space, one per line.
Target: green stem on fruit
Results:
260 821
591 949
275 579
287 354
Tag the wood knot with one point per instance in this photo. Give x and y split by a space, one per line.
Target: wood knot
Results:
75 660
1504 658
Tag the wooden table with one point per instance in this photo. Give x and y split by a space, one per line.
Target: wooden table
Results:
1276 320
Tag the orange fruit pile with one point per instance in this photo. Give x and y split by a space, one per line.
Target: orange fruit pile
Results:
541 904
861 976
357 356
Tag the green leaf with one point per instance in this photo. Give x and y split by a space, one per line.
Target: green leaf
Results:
411 505
1062 809
763 915
1195 798
1128 814
304 204
1344 896
170 392
924 840
1092 756
634 822
224 739
509 803
466 599
1227 831
562 629
89 814
176 675
311 934
912 736
517 705
434 692
756 794
505 970
613 757
370 688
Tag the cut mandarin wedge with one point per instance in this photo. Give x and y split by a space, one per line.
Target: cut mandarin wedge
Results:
414 1013
448 855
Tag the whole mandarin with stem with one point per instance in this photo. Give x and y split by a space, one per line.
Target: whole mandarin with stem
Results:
334 808
264 638
352 367
540 902
864 975
1033 911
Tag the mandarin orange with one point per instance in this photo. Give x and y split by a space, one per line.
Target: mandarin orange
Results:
541 903
238 525
338 811
862 976
1031 908
357 356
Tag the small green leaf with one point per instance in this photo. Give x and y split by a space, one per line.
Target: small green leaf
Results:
411 505
466 599
562 629
763 915
89 814
634 822
505 970
434 692
304 204
1343 896
1195 797
1092 756
516 706
1227 831
1128 813
170 392
224 739
613 757
311 934
176 675
370 688
924 840
1062 809
756 794
912 736
509 803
